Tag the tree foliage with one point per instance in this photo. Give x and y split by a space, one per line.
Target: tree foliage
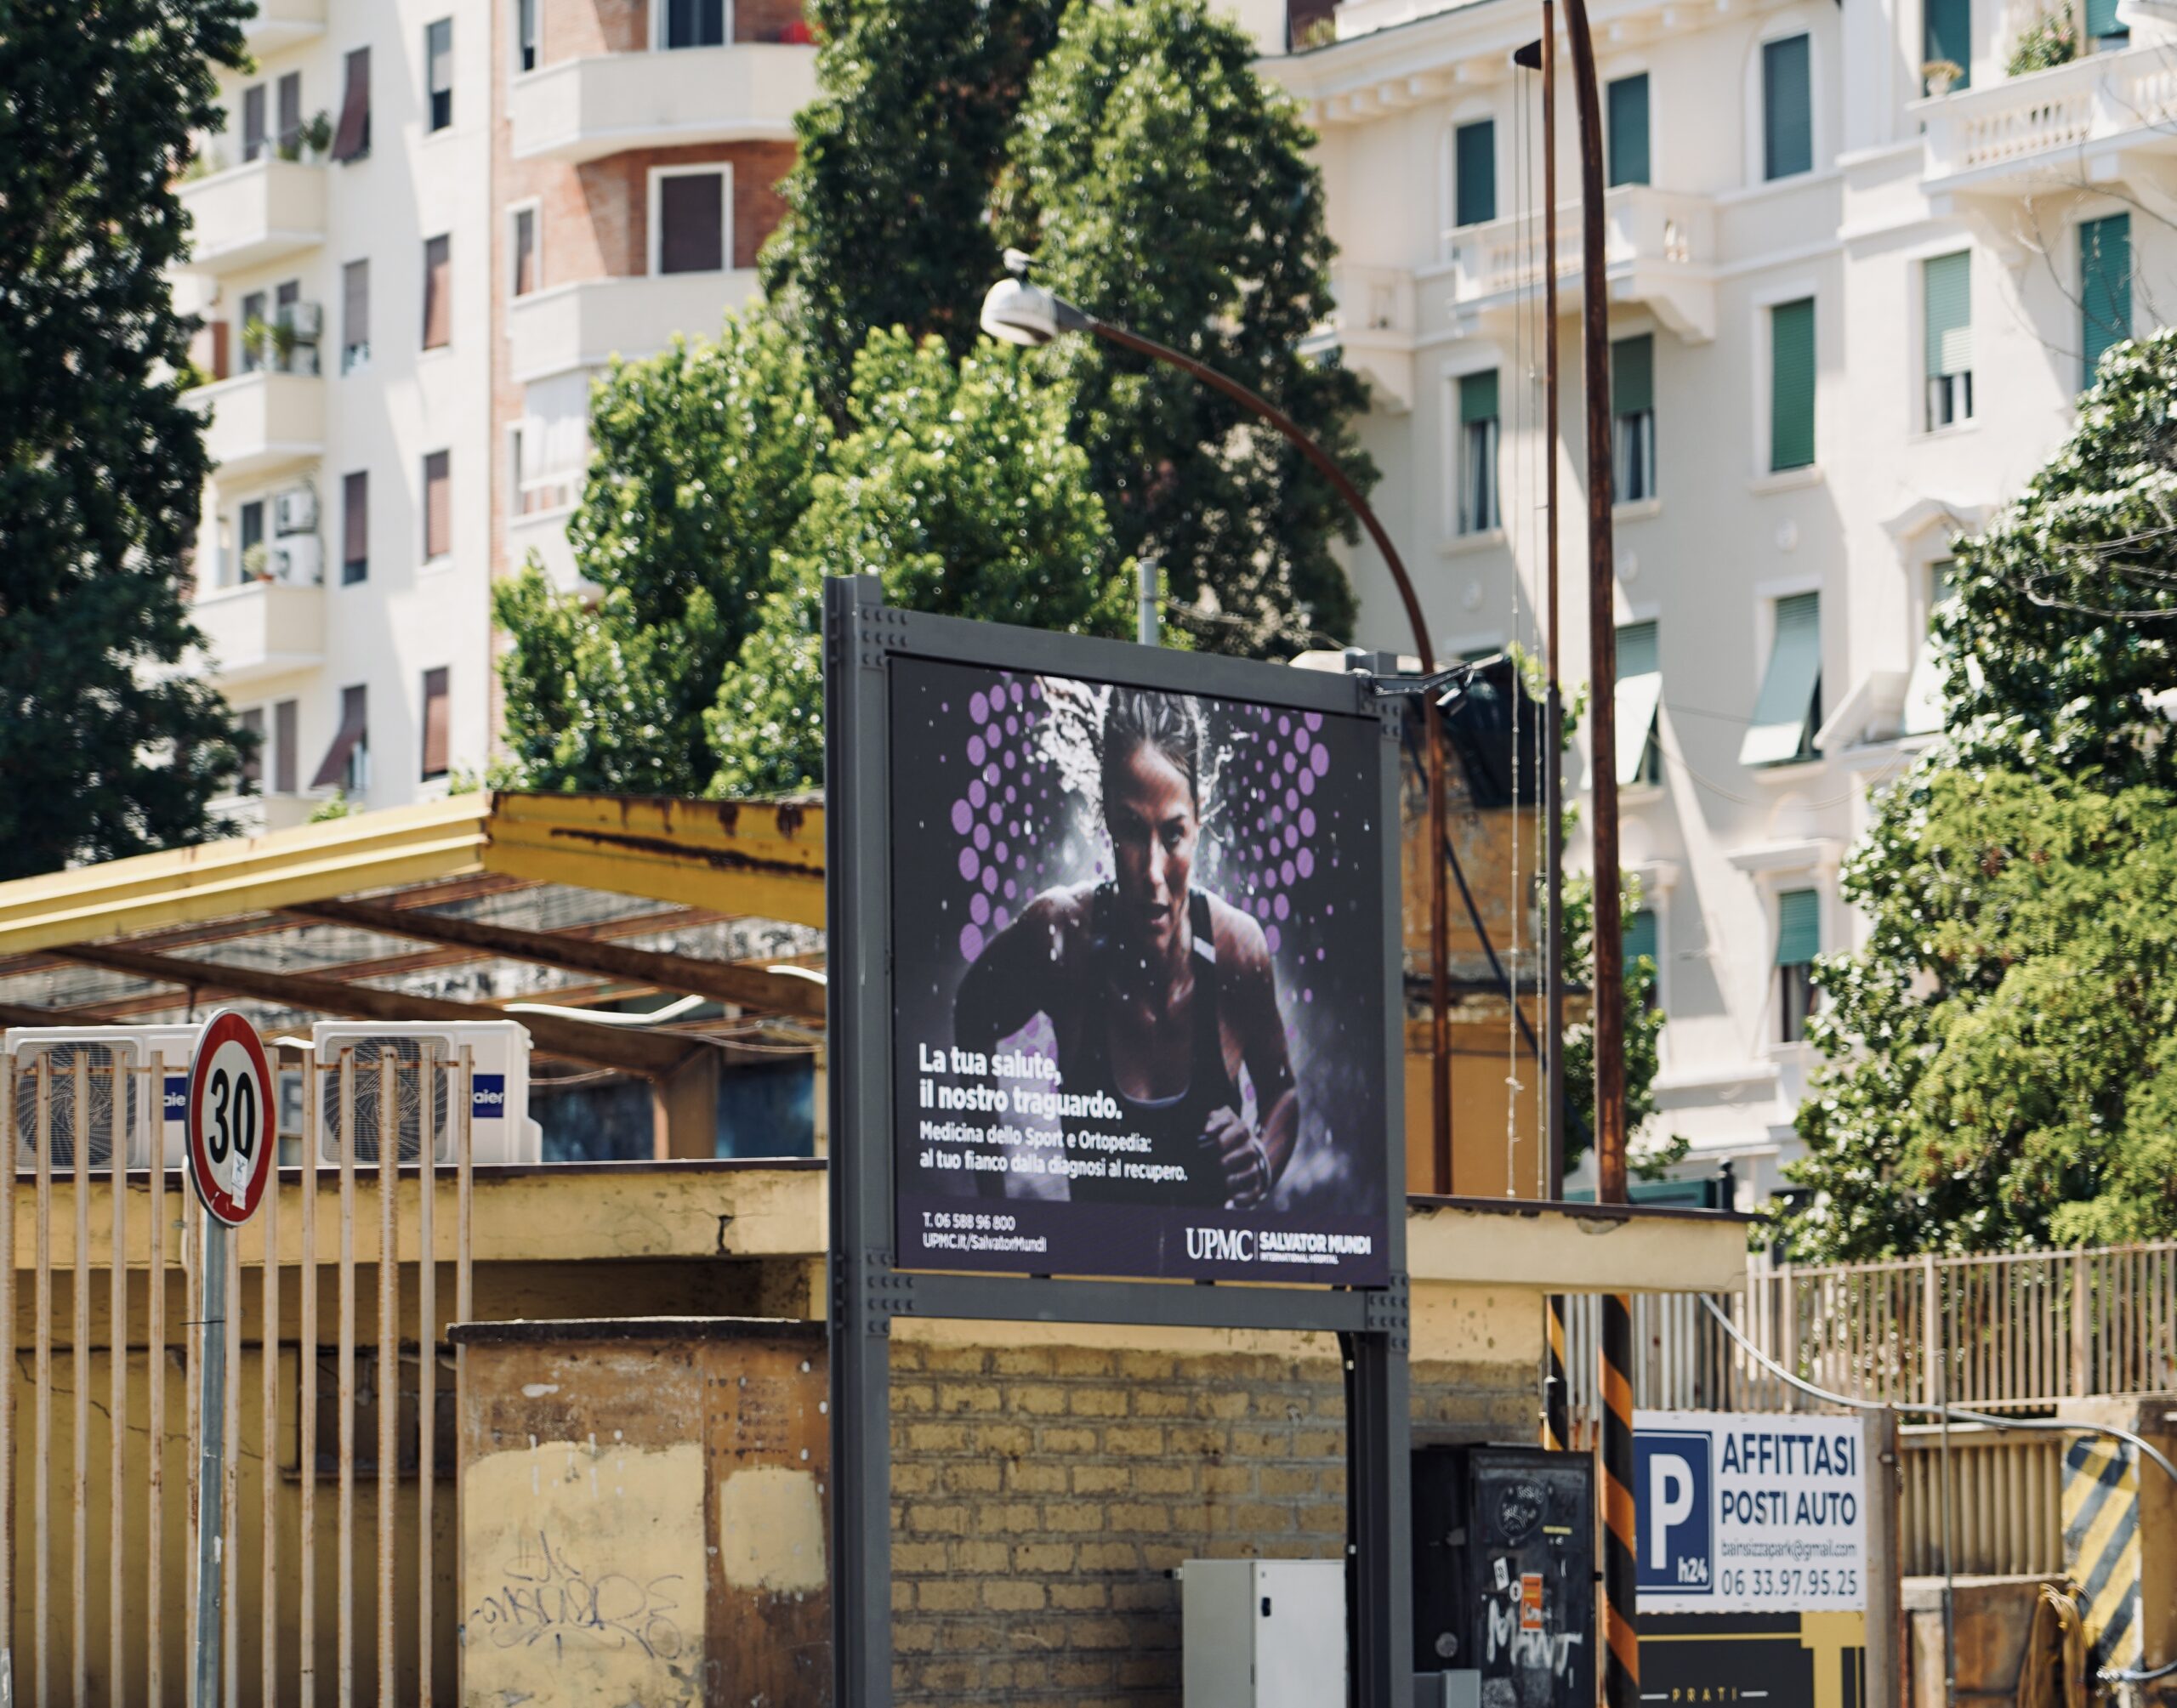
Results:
720 497
108 746
1997 1064
1160 181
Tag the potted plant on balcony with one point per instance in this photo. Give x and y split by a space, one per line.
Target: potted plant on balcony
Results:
257 563
257 337
310 140
1940 74
2050 40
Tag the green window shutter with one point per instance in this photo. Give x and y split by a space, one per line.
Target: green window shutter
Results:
2101 20
1786 108
1948 285
1798 927
1640 937
1473 149
1638 653
1478 397
1785 704
1629 130
1947 34
1639 693
2104 286
1791 384
1633 374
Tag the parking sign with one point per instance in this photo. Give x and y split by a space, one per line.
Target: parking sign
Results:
1675 1512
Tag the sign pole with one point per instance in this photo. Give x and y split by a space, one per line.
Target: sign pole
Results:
211 1460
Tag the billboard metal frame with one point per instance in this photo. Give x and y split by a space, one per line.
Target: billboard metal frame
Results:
862 636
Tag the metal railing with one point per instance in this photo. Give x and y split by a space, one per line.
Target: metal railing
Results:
100 1284
2006 1505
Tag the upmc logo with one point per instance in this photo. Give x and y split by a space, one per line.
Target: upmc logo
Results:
488 1096
1675 1526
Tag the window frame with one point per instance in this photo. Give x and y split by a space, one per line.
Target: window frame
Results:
354 571
1798 1000
1769 603
2080 226
661 28
444 456
1460 439
1798 20
527 37
1946 400
434 120
654 236
444 698
256 106
1765 305
532 206
355 354
1644 76
430 298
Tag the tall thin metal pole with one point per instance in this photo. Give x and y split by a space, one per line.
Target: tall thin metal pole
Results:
208 1671
1554 788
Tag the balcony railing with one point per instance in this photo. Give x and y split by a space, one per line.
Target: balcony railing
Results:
586 324
1995 135
263 421
249 215
605 103
261 629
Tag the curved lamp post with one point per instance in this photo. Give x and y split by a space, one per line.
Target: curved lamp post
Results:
1017 311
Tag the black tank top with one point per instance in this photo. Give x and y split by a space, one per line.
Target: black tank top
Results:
1174 1126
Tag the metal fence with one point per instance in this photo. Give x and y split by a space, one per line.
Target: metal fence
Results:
2006 1499
341 1544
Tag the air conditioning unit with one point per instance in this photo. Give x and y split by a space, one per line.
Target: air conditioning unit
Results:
306 321
426 1078
295 511
97 1050
298 559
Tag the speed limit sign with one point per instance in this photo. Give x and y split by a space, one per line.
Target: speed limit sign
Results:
232 1137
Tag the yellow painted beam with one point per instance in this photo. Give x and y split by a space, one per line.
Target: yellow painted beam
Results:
1582 1249
760 859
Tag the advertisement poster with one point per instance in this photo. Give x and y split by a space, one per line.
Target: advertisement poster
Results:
1138 972
1750 1513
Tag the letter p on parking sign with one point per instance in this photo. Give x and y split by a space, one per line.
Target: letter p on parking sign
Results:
1674 1502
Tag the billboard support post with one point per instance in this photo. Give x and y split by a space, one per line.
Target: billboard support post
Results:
868 1291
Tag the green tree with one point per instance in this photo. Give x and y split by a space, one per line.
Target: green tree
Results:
1995 1068
703 460
885 224
720 497
1159 180
108 746
1644 1029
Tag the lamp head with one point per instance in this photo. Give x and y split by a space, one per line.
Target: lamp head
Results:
1017 312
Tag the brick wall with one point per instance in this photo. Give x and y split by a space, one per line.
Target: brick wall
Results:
1042 1496
764 20
573 29
596 217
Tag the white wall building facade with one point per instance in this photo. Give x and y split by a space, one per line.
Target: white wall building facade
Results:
427 226
1849 317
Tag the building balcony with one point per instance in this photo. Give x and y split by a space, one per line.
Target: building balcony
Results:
1659 249
261 629
263 421
248 215
1372 330
2088 122
606 103
586 324
257 816
545 533
277 25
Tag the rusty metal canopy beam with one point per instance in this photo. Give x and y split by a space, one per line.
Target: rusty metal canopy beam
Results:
723 981
654 1055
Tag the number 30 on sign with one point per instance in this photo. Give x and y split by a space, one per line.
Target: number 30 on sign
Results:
232 1140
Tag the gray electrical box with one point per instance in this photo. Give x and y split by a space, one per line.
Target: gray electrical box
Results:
1262 1633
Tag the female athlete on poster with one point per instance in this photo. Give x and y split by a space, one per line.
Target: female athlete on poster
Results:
1161 995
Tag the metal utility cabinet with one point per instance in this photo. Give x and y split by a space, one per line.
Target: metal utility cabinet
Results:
1263 1633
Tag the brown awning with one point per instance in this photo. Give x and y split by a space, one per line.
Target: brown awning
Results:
354 723
354 136
436 713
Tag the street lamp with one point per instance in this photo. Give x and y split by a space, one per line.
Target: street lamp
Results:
1016 310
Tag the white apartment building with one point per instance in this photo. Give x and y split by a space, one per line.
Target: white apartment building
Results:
1850 318
428 224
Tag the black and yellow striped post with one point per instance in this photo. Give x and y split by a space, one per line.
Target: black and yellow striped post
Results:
1620 1585
2100 1506
1556 1402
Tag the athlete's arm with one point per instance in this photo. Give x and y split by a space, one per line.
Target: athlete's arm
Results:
1019 974
1262 1042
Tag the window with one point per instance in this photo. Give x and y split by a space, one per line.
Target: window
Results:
1947 34
1477 442
1786 108
438 71
354 527
249 525
436 704
688 218
253 761
1632 419
1629 130
1474 173
291 115
1636 700
355 315
1923 695
438 505
2104 28
351 139
524 250
284 765
2104 288
695 23
347 761
1799 940
1788 709
1791 385
255 143
550 445
1642 943
1946 298
253 345
524 35
438 292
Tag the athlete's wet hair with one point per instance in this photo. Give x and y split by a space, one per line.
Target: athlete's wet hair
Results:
1169 722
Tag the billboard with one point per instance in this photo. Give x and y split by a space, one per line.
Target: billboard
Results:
1139 972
